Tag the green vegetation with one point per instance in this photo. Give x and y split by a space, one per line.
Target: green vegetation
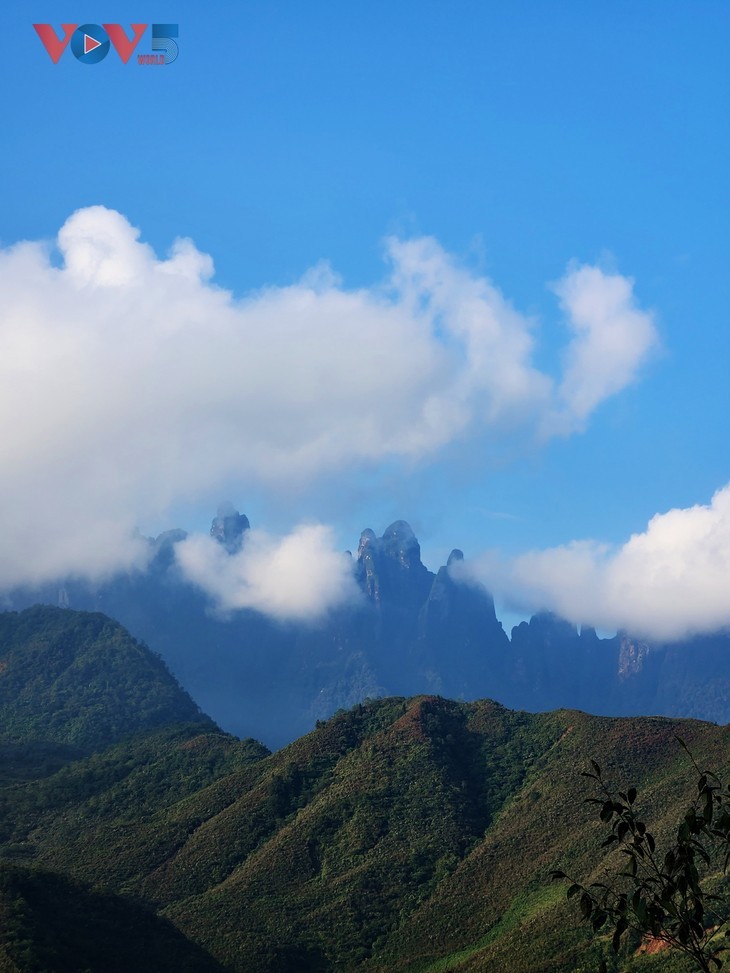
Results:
670 896
409 835
51 923
80 679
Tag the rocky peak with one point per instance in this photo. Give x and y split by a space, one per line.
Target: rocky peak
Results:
390 568
228 527
400 543
631 656
545 628
367 551
163 549
367 540
450 600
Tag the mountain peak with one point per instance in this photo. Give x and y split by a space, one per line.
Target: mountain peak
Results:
400 543
389 568
367 539
228 527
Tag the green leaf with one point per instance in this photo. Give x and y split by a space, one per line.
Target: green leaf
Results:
621 926
708 809
599 919
586 905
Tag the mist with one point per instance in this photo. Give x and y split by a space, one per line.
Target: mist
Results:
666 583
300 577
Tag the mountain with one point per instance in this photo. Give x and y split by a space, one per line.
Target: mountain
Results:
404 835
554 665
412 632
85 710
80 680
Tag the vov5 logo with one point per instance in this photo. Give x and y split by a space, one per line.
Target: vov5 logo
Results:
90 43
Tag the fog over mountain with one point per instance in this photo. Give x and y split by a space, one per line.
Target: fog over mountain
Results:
384 624
131 383
157 387
667 582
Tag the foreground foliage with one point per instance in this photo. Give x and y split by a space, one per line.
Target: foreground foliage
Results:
662 892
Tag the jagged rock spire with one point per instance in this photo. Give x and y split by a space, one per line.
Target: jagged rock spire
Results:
228 527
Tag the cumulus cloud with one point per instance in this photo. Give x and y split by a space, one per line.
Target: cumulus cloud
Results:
130 383
666 583
612 337
298 577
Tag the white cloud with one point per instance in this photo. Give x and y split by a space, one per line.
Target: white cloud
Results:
130 383
612 339
670 581
297 577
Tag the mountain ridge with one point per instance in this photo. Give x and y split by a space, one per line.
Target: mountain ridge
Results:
413 631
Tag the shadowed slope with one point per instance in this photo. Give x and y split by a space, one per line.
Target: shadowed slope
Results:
48 922
77 678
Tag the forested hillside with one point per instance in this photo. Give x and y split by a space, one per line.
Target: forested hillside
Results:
402 835
80 679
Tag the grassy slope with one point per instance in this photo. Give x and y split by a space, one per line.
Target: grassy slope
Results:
404 835
418 865
509 915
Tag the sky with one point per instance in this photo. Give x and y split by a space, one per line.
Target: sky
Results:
462 264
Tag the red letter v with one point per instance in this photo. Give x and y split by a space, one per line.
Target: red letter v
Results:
124 47
52 44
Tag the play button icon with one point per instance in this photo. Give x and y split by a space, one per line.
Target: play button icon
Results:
90 43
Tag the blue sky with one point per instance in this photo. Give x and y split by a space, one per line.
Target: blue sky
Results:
521 136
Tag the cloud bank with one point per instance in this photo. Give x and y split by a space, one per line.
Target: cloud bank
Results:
129 383
666 583
299 577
